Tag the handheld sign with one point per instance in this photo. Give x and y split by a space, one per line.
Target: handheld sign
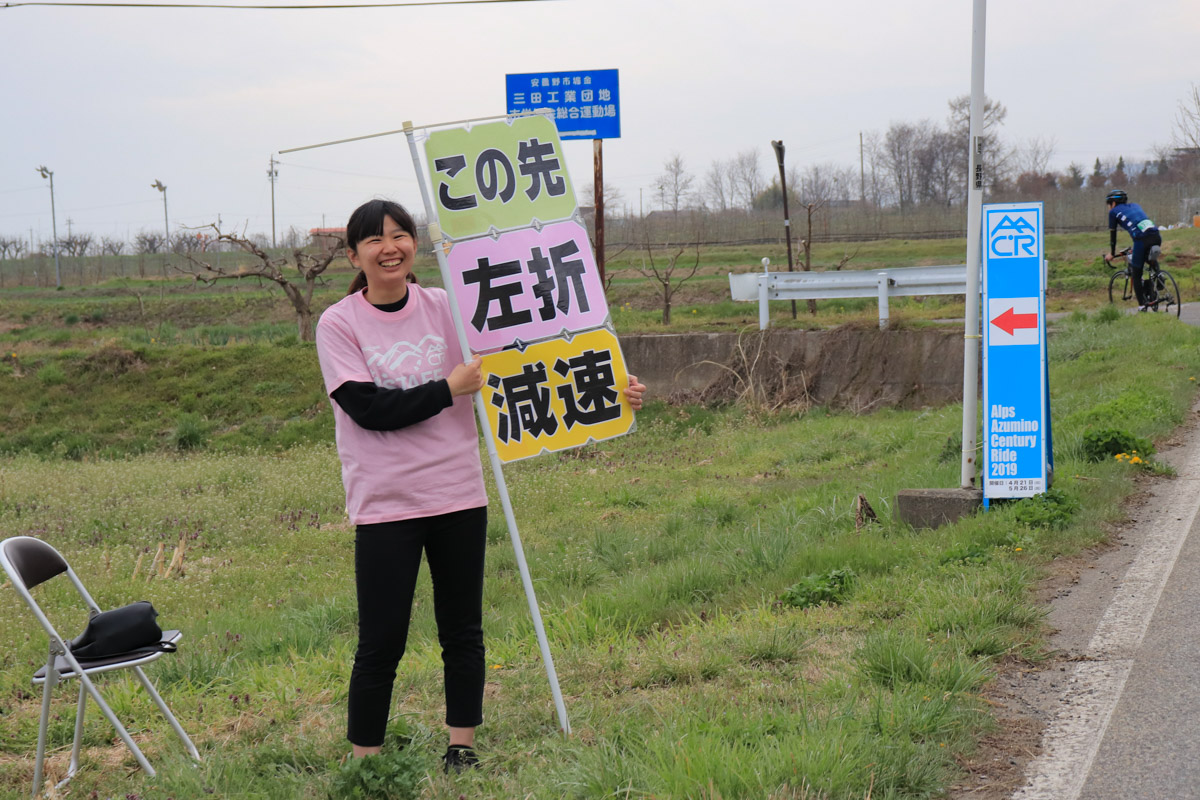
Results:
498 176
522 275
1015 400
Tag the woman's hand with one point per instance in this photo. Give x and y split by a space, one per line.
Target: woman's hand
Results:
466 378
634 392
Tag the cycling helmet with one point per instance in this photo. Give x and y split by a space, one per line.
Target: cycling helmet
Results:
1117 196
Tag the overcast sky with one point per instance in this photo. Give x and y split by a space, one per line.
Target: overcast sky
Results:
113 99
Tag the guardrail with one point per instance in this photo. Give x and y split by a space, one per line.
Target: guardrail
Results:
883 284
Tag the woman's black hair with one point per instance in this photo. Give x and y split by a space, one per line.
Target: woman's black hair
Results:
367 221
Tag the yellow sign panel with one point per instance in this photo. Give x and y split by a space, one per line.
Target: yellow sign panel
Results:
556 395
498 175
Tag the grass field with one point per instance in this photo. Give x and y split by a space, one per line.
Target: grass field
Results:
721 626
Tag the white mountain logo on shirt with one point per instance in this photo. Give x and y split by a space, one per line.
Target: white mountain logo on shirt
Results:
405 365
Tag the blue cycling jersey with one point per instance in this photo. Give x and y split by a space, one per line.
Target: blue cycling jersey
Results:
1131 217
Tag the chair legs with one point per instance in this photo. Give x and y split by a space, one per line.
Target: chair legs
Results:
86 689
48 689
166 712
82 706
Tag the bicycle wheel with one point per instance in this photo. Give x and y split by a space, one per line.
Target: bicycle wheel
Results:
1126 289
1168 293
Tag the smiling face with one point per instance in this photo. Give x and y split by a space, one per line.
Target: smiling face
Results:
387 260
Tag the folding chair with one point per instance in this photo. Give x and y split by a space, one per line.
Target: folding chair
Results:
30 562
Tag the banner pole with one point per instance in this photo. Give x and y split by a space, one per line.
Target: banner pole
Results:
435 235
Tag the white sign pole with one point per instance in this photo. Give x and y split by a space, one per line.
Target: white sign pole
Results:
971 329
435 236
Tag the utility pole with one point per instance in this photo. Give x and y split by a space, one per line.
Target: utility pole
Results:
975 179
166 224
862 172
787 222
272 174
45 173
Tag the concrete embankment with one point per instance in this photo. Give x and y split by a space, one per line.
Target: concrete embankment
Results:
857 369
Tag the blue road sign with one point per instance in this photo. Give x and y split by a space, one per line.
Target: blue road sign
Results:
586 105
1015 400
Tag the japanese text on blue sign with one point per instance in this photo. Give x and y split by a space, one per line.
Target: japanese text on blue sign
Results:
586 104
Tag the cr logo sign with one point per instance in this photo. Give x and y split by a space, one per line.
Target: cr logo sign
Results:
1014 236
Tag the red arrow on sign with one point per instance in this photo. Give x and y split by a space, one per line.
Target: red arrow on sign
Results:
1009 321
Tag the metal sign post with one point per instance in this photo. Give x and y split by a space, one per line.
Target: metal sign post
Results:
971 333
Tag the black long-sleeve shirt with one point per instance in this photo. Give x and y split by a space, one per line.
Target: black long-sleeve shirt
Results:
378 409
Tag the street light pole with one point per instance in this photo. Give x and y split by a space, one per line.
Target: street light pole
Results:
45 173
272 174
166 223
972 335
787 222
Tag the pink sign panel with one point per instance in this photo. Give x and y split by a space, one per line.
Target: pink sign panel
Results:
526 285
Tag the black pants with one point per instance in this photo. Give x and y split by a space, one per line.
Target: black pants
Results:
387 557
1141 249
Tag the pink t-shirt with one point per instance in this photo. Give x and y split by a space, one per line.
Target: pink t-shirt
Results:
421 470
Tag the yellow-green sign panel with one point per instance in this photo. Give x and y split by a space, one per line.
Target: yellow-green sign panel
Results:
557 395
500 174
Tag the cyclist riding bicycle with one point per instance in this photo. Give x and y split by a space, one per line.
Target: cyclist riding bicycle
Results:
1144 233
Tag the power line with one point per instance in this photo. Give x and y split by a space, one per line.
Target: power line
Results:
261 7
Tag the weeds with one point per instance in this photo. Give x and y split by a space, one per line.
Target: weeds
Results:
394 774
814 590
1106 443
1053 509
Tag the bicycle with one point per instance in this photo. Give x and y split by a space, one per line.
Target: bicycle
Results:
1162 292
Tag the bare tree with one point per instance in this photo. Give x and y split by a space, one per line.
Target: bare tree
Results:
675 182
1185 132
308 267
746 178
77 244
821 183
938 179
187 241
1035 155
149 242
878 188
718 185
996 156
111 246
12 247
294 237
613 197
665 273
901 145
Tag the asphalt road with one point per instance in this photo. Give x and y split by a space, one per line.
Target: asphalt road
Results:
1126 723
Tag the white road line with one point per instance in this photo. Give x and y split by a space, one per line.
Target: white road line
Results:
1070 743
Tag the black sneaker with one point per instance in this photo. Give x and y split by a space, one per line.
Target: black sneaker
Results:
458 758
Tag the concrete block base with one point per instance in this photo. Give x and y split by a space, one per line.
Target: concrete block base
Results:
932 508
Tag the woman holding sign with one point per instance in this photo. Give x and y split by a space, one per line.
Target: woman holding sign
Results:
406 436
